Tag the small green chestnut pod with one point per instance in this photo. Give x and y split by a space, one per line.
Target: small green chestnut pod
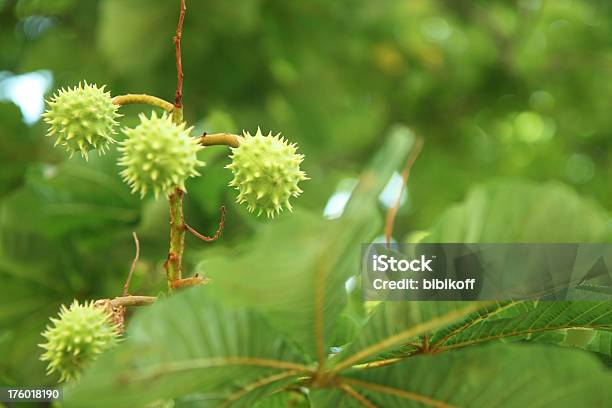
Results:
266 172
76 338
82 119
158 155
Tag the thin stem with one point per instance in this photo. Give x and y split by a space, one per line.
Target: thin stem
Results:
214 139
178 99
126 286
177 238
391 214
174 262
143 99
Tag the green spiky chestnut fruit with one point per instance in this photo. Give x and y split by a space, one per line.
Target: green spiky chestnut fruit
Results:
158 155
266 172
76 338
82 118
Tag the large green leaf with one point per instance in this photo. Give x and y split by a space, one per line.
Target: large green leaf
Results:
493 312
396 330
507 212
294 278
190 343
515 211
395 324
492 376
523 212
547 316
295 269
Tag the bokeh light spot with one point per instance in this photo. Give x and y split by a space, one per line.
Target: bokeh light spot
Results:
26 91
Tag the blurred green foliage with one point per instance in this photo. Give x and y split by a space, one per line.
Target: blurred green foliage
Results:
496 89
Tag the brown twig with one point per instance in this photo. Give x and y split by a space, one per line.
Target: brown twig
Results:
174 261
196 280
126 285
391 214
116 308
133 301
178 99
217 233
216 139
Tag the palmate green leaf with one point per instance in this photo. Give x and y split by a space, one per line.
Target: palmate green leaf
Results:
508 212
547 316
190 343
294 278
395 324
493 312
491 376
522 212
295 268
391 318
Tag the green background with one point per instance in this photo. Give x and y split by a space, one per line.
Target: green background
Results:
497 89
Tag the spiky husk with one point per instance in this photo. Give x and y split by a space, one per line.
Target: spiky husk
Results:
77 337
158 155
82 118
266 172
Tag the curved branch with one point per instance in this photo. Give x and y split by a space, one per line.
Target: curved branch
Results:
145 99
217 233
216 139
